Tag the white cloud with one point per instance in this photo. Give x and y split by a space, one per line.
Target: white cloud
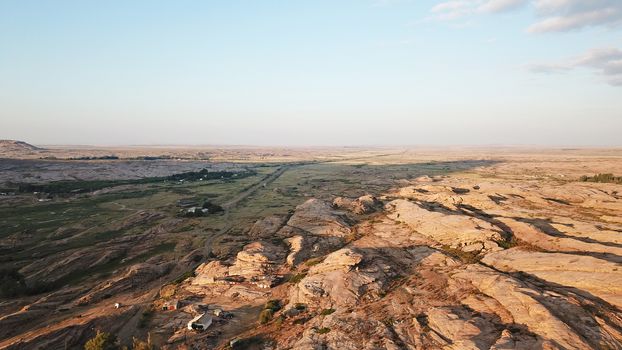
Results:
553 15
606 61
455 9
565 15
496 6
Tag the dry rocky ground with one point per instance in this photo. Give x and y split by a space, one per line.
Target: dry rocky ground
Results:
514 253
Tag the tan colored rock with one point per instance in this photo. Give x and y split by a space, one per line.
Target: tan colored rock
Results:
257 259
363 205
522 304
454 230
596 276
267 227
319 218
211 272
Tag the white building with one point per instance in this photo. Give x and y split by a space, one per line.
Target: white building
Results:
200 323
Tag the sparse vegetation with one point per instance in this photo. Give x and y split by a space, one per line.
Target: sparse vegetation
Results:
313 262
294 279
271 307
322 330
138 344
102 341
604 178
265 316
327 312
466 257
274 305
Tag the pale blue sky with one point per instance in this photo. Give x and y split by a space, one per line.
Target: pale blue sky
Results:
357 72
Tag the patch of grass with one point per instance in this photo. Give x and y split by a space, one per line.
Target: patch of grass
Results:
603 178
508 243
157 250
295 279
322 330
313 262
184 276
465 257
253 342
327 312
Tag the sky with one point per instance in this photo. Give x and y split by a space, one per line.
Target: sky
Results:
305 73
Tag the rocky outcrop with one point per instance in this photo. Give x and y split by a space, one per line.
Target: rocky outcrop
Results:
599 277
318 218
257 259
267 227
363 205
447 228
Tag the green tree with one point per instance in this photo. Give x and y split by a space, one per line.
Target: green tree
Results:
102 341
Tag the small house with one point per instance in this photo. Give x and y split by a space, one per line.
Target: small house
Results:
171 305
200 323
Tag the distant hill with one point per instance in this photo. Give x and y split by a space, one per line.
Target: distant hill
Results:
12 148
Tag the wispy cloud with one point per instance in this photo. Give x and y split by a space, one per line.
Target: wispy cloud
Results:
605 61
565 15
455 9
553 15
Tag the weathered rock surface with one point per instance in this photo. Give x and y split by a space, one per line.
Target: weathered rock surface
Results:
363 205
317 217
445 227
257 259
267 227
599 277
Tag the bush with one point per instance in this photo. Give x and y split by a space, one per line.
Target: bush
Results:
102 341
265 316
274 305
297 278
322 330
605 178
327 312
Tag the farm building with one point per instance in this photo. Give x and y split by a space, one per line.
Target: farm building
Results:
200 323
171 305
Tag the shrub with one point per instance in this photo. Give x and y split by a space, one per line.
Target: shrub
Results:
300 306
274 305
605 178
265 316
327 312
102 341
297 278
322 330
